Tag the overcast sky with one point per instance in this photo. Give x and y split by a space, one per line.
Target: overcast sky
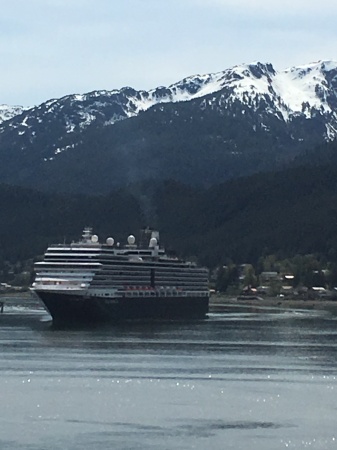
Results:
52 48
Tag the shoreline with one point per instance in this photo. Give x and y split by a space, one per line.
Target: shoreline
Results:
219 303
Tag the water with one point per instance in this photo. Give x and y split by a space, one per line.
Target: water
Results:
241 379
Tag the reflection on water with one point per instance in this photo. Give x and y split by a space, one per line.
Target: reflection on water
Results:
240 379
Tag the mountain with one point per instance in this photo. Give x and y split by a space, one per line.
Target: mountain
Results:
8 112
201 130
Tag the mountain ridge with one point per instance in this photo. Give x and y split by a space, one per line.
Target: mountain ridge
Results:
196 86
247 118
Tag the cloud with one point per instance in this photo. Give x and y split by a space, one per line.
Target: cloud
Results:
271 7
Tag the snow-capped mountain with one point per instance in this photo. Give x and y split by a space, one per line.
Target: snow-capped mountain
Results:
305 91
8 112
275 114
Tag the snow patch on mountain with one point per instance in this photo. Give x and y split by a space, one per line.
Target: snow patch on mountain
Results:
8 112
305 90
305 87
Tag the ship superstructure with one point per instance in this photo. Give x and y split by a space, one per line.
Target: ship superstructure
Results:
89 281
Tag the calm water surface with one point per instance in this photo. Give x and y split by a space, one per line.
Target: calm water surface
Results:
240 380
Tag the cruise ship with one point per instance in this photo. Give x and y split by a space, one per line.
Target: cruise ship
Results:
90 282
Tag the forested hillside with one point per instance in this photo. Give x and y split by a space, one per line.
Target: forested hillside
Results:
283 213
31 220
